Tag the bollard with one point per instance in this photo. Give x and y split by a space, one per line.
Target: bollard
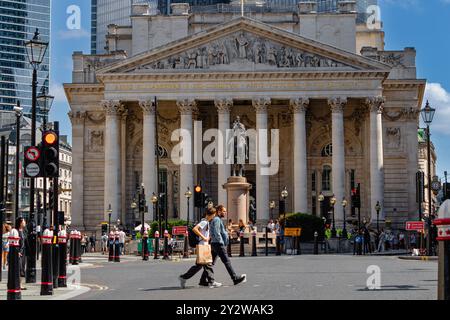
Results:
111 247
443 236
76 249
278 244
55 260
166 245
71 247
79 252
267 241
116 247
316 243
47 277
254 254
241 246
14 292
156 245
62 243
145 246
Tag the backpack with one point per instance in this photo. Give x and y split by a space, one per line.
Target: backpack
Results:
193 239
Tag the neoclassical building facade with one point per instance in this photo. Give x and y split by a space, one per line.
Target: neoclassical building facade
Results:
347 112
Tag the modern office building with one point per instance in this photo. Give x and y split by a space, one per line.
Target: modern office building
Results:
19 20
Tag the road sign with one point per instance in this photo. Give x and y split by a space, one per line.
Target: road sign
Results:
32 170
292 232
180 230
32 153
415 226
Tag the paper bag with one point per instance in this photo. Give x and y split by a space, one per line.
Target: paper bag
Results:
204 255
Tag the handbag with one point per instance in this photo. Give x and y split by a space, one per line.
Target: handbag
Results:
204 254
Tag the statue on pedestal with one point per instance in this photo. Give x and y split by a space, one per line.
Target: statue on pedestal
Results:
239 150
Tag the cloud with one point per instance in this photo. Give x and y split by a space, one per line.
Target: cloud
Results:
439 99
57 90
73 34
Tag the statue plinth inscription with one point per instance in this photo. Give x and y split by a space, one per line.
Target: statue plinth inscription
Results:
238 198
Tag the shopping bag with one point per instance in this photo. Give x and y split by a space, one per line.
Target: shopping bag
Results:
204 255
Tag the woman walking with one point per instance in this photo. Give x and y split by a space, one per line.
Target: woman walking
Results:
5 244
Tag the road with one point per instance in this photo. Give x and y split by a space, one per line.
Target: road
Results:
303 277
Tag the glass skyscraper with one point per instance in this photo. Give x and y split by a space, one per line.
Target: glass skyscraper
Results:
19 19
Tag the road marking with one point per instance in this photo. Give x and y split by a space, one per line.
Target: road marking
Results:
256 286
319 285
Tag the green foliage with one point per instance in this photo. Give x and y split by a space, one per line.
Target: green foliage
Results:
172 223
309 224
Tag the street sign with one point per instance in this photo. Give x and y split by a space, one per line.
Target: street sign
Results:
292 232
178 231
32 153
32 170
415 225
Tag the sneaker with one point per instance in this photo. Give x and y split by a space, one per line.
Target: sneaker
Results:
182 282
241 279
215 285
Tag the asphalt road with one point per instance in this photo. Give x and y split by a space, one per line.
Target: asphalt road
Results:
269 278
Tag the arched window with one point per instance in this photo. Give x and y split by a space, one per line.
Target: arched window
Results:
326 178
327 151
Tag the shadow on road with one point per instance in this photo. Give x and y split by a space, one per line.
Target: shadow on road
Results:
165 289
396 288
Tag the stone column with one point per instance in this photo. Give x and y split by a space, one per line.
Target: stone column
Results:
375 106
187 107
113 195
123 165
149 170
338 174
223 170
78 120
299 106
262 181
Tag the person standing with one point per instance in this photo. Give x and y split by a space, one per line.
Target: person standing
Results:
21 228
122 241
202 231
381 241
5 244
104 243
92 242
84 244
219 242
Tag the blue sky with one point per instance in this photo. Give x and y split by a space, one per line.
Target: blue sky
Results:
423 24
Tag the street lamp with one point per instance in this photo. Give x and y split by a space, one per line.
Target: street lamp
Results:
18 111
284 195
272 206
333 230
36 50
344 231
427 116
188 195
378 209
109 211
133 207
321 200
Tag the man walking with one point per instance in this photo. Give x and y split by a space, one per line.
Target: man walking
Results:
219 242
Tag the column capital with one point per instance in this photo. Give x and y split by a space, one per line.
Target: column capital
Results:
112 107
337 104
187 106
223 105
148 107
375 104
261 105
77 117
299 105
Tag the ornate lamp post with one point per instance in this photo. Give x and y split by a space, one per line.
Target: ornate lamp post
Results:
272 206
109 211
284 195
333 230
427 116
36 50
133 207
378 209
188 195
19 111
344 231
321 200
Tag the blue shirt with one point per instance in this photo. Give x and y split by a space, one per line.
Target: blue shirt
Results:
217 232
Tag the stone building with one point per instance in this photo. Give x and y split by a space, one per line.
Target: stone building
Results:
347 110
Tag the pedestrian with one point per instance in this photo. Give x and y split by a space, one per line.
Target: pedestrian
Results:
84 243
413 240
366 241
21 228
219 242
104 243
5 244
242 226
202 231
122 236
92 242
401 239
381 241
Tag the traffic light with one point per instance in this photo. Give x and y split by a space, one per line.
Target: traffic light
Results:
51 199
198 197
356 197
50 148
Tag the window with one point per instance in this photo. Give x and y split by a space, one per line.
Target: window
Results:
326 178
327 151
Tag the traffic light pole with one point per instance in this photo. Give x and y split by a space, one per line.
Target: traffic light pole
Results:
2 187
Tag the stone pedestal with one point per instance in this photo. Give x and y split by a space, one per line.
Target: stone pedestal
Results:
238 198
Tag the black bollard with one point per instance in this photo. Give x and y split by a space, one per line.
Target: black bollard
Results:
14 292
316 243
241 246
254 254
55 260
156 245
267 241
443 236
71 247
116 247
145 246
62 243
278 244
47 277
79 251
76 252
166 245
111 247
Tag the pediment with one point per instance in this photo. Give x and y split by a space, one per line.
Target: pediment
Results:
244 45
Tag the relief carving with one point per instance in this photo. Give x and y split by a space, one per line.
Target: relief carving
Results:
96 141
393 138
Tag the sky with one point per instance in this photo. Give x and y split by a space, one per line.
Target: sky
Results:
423 24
